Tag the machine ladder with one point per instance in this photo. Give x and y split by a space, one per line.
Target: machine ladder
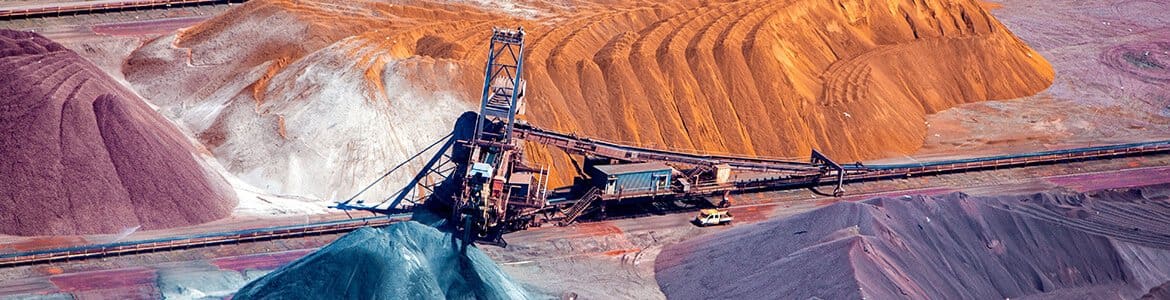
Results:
579 208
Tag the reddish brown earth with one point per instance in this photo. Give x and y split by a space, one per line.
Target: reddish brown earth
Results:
82 154
1112 66
1148 61
264 261
95 285
1107 244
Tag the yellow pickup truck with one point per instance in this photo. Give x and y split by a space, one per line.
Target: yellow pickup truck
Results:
713 217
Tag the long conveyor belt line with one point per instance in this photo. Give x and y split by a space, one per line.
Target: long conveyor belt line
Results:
193 241
31 11
854 172
575 144
1031 157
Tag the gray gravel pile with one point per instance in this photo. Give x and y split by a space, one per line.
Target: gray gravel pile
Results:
402 261
1101 245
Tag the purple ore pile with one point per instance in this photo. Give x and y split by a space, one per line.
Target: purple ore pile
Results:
1109 244
82 154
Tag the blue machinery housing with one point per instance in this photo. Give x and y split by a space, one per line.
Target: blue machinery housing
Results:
637 178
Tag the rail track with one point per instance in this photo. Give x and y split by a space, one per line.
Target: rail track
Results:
31 11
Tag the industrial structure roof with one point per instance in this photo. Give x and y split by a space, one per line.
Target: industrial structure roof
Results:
632 168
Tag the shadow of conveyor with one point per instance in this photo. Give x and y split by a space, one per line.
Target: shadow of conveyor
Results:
447 162
437 210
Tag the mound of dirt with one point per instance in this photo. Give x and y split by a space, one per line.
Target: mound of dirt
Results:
1106 245
403 261
1111 60
81 154
301 108
777 78
1158 292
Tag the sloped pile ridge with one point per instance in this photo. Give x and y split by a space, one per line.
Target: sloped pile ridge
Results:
405 260
1103 245
855 79
82 154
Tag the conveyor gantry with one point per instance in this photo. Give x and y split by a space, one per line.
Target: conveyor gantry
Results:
496 182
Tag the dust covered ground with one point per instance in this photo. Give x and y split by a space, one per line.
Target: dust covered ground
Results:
1112 64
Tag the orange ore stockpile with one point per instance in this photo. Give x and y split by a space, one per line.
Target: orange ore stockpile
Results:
852 78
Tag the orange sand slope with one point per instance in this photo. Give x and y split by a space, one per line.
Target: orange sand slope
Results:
775 78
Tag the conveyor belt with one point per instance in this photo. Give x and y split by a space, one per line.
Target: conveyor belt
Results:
1009 160
791 173
802 174
27 11
575 144
190 241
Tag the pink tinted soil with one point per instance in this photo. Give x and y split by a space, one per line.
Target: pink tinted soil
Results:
134 283
85 155
264 261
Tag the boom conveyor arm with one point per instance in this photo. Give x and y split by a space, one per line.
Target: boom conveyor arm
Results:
827 165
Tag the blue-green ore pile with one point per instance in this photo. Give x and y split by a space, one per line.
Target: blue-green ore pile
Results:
402 261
